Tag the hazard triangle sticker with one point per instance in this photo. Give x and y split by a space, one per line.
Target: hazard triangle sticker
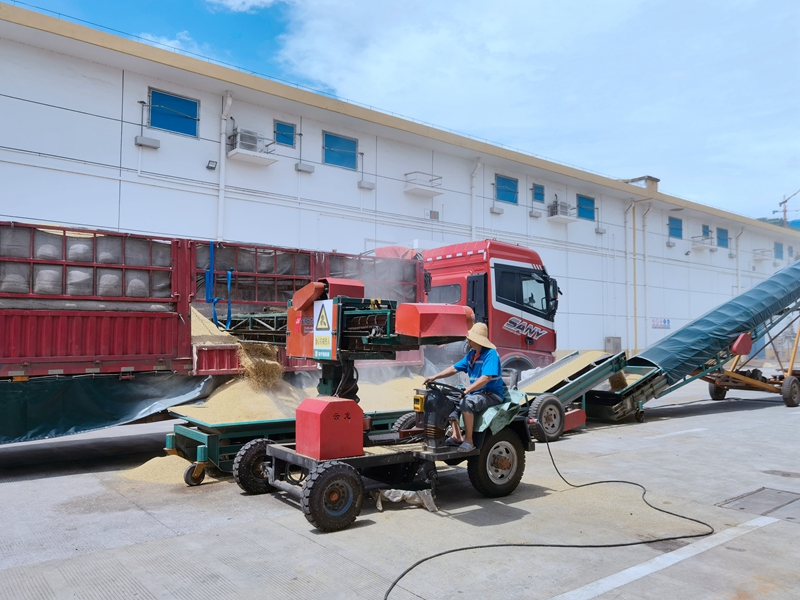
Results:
322 320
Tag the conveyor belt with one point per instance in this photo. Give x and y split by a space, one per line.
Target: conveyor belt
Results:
566 368
691 346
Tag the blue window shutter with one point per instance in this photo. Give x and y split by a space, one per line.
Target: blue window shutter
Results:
778 251
284 133
722 238
173 113
706 231
506 188
585 207
340 151
675 228
538 193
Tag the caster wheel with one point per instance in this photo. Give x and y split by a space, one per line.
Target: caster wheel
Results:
189 476
639 416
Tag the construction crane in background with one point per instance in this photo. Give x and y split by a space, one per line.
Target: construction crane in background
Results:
783 210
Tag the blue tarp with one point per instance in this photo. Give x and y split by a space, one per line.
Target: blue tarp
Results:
691 346
46 408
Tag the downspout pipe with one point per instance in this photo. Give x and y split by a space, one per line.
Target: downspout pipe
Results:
644 269
472 202
738 269
627 284
223 155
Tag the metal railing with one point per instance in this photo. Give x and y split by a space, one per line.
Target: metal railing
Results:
424 179
703 240
762 254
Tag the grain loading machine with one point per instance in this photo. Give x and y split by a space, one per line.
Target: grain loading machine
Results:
337 456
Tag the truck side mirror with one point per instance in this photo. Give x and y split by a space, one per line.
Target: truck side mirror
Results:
553 298
426 277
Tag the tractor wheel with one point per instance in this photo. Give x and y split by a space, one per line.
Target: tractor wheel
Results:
790 390
248 467
497 470
332 496
189 477
407 421
717 392
549 415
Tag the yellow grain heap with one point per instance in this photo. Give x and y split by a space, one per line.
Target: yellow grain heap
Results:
205 333
237 402
162 469
395 394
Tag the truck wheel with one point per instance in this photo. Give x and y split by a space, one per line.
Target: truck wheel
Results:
189 477
332 496
790 390
549 415
497 470
407 421
248 467
716 392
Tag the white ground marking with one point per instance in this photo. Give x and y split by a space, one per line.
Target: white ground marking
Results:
663 435
617 580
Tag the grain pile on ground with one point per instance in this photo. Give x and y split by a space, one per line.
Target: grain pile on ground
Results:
204 332
395 394
260 364
163 469
237 402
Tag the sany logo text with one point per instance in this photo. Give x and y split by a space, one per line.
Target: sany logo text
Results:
520 327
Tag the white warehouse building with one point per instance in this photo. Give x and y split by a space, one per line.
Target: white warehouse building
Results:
101 131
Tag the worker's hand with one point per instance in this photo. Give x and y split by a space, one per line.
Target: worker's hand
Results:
428 380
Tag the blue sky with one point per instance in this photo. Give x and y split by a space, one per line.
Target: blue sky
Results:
703 95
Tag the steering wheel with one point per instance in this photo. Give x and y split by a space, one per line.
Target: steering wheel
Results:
446 389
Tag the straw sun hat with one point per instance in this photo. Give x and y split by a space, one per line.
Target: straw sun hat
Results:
480 335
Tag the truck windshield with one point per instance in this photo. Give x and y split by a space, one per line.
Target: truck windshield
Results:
445 294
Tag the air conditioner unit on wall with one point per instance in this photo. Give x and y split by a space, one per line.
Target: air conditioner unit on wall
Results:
251 146
245 139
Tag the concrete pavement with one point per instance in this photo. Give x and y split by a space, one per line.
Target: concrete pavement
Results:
73 528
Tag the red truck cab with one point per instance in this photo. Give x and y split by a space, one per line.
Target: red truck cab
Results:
508 288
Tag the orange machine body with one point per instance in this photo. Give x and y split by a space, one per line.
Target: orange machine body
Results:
300 321
423 321
329 428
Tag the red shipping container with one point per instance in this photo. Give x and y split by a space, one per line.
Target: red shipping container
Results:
329 428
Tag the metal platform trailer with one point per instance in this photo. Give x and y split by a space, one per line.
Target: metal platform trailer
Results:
215 445
612 387
334 463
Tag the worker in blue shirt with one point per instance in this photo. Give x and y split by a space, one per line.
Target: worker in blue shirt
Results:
486 387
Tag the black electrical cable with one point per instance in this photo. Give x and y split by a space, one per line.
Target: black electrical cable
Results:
534 545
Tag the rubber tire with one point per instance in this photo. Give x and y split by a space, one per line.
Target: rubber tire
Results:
717 392
540 405
478 469
790 390
190 479
407 421
319 481
245 467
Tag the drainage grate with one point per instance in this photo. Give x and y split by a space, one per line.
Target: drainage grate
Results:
779 504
